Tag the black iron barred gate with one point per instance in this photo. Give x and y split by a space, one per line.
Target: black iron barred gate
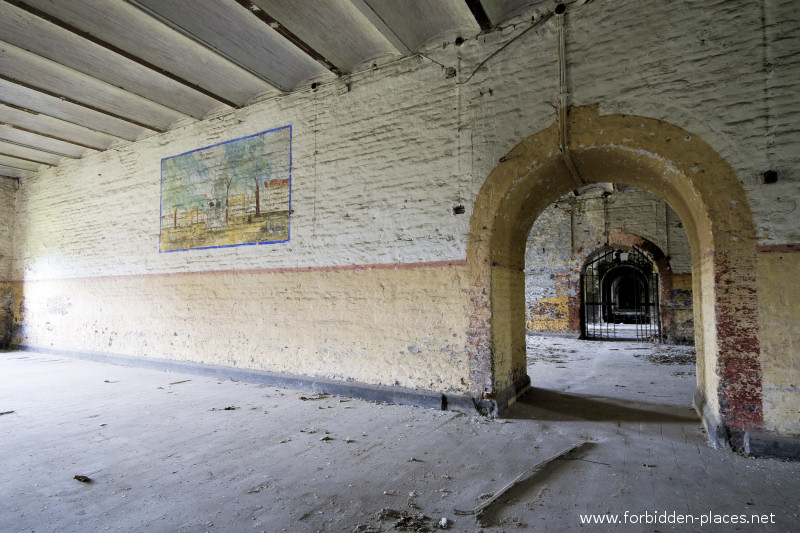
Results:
619 293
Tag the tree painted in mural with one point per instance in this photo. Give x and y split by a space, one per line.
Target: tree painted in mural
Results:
213 196
183 194
245 163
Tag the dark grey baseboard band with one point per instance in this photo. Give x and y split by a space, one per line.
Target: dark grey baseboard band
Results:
352 389
769 445
753 443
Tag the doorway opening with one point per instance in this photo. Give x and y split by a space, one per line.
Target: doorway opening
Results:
612 262
666 161
619 296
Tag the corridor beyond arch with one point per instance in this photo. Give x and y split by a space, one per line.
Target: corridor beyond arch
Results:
619 295
666 161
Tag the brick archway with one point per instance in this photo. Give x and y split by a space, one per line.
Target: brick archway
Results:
666 161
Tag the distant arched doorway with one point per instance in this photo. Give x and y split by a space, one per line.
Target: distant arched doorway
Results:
619 296
667 161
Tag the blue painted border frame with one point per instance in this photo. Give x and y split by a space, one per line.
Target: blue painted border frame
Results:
161 194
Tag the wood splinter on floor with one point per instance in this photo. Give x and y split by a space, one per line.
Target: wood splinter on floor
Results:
519 478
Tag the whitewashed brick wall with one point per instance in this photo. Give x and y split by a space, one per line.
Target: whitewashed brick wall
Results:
378 170
8 193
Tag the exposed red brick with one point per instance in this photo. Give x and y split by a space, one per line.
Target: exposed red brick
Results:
779 248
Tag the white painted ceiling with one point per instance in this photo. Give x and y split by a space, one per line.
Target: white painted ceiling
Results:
80 76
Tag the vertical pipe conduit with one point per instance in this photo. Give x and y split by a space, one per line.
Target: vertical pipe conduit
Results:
563 96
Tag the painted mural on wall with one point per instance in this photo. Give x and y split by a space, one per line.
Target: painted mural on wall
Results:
230 194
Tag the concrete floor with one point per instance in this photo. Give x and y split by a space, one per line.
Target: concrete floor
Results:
183 453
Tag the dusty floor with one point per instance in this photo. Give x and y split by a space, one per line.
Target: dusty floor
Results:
174 452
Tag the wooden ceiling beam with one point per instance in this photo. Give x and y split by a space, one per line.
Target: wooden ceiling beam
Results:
84 126
3 154
379 24
84 105
264 17
108 46
8 165
43 134
476 8
37 148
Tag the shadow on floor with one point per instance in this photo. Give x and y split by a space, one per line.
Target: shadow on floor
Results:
551 405
534 488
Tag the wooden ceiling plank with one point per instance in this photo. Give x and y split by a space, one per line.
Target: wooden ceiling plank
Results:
54 137
42 104
9 150
264 17
476 8
18 164
499 11
421 23
5 138
321 26
46 144
119 51
381 26
122 24
70 100
51 42
33 71
15 173
54 128
237 36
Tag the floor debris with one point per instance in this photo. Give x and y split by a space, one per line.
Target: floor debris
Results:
409 522
516 480
83 479
363 528
673 355
317 396
6 413
259 488
192 466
